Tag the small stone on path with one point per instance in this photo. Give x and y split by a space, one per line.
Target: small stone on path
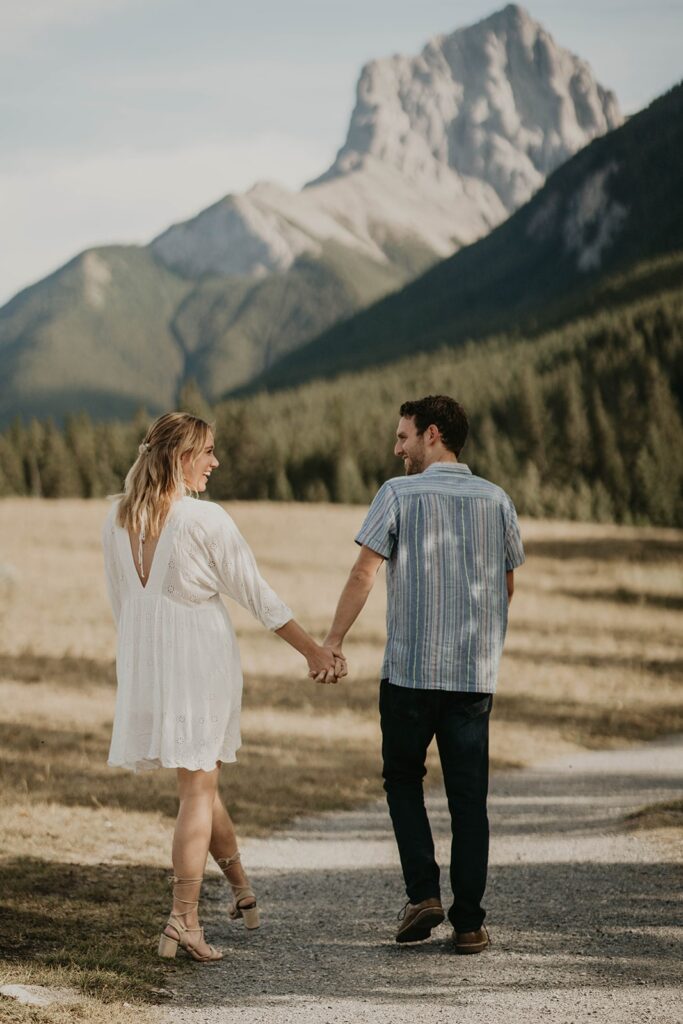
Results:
39 995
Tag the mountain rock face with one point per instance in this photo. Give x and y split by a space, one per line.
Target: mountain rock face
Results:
499 102
440 149
606 227
261 232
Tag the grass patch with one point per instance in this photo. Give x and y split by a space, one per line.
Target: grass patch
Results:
41 764
668 814
274 780
620 595
620 547
89 1009
590 726
89 927
66 671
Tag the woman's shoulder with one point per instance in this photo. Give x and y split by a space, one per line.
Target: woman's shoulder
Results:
113 507
207 515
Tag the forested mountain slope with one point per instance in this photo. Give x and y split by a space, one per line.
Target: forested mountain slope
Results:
584 241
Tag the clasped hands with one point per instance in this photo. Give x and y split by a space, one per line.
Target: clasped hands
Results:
327 664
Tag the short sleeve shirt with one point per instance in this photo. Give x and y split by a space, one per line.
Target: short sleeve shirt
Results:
449 538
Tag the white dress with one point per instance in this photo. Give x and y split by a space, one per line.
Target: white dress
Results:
178 668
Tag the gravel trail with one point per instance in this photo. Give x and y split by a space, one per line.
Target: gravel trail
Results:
586 918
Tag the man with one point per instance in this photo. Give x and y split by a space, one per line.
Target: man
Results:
451 542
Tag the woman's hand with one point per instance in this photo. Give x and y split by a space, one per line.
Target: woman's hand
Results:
325 665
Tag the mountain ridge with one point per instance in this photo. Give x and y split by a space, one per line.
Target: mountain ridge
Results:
255 276
616 203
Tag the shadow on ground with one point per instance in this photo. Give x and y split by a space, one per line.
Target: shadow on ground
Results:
96 923
574 901
640 549
553 926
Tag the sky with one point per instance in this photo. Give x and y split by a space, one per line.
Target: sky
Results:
120 117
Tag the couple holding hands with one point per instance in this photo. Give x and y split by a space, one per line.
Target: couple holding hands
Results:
451 543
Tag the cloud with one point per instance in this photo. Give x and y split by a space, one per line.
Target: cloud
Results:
53 209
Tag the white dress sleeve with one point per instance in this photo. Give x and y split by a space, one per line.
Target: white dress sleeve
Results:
112 567
237 575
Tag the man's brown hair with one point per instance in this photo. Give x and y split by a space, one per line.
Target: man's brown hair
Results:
445 413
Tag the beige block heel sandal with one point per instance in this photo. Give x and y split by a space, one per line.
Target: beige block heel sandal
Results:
187 938
242 894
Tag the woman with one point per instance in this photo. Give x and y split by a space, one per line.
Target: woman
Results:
168 557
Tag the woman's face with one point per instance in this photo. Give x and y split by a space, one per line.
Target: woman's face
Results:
197 474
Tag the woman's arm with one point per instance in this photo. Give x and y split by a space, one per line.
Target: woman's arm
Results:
239 577
323 666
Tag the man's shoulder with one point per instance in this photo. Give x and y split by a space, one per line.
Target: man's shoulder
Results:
466 485
393 485
481 487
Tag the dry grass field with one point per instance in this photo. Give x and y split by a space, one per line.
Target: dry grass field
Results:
594 658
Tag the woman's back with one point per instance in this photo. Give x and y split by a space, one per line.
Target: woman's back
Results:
178 667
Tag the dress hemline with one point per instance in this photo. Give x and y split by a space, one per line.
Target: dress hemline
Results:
150 764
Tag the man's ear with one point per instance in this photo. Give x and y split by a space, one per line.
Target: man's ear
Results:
432 433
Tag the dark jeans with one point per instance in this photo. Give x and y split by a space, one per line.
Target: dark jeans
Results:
460 721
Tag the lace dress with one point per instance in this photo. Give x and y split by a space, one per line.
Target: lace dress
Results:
178 668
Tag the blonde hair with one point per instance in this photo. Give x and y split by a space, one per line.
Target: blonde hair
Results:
156 480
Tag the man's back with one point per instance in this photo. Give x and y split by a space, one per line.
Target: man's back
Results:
449 538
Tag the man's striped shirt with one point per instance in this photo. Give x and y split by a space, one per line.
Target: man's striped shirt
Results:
449 537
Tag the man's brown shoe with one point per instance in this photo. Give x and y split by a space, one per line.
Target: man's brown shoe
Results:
419 919
471 942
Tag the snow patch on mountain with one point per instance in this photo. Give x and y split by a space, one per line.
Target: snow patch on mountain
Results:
260 232
593 220
96 278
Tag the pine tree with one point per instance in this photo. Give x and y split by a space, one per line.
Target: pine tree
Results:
659 461
59 473
191 399
609 462
575 428
529 426
11 465
33 447
602 504
80 438
349 488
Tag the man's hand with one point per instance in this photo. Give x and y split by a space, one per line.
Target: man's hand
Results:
325 665
336 645
341 668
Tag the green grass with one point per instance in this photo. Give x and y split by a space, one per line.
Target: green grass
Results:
90 927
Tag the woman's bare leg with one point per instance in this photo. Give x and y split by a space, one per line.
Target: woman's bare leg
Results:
224 840
191 838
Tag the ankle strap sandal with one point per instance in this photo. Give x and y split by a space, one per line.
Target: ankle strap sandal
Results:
187 938
242 894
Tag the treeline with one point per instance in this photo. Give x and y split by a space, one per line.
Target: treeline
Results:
584 423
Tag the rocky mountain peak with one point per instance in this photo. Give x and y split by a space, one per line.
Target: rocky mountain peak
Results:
498 101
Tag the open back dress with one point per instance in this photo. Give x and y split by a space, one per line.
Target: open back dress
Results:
179 678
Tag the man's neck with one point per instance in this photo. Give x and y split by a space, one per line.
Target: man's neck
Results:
443 456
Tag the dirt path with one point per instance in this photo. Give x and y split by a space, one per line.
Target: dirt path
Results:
586 918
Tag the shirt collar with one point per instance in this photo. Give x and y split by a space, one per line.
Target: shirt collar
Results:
448 467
